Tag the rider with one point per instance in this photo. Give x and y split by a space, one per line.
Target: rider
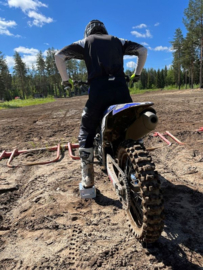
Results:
103 56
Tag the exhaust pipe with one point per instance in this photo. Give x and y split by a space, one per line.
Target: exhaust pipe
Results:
142 125
150 120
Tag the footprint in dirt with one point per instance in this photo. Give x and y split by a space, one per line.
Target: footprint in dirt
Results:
180 245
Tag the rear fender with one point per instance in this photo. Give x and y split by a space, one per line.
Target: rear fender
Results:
117 120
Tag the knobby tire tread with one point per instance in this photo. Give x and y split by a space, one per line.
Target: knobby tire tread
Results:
151 198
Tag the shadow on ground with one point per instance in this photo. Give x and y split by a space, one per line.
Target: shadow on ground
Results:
182 230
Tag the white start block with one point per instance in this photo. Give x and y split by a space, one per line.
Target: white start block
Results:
87 193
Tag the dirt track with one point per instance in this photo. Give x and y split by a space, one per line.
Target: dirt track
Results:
45 225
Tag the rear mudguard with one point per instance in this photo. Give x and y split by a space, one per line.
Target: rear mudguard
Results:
131 120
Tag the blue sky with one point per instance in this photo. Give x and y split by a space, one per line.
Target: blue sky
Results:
30 26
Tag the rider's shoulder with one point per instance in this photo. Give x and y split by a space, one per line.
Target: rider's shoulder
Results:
122 40
80 42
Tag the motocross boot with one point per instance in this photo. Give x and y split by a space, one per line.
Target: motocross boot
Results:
87 156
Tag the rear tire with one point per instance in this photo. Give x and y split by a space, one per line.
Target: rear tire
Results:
145 213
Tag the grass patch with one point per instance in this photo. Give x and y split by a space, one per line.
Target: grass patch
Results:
138 91
18 103
142 91
170 87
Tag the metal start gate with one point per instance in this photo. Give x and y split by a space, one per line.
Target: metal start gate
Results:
16 152
70 147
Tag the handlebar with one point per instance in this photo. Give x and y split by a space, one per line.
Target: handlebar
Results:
127 78
80 83
75 82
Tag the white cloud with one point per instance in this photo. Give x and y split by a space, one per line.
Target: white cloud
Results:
161 48
26 4
131 65
139 35
29 60
5 32
144 43
25 50
4 25
30 8
10 61
45 53
129 57
28 56
156 24
142 25
39 19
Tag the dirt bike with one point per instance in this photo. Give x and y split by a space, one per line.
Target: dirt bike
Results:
120 150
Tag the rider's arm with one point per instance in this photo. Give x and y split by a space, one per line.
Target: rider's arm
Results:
73 51
61 66
133 48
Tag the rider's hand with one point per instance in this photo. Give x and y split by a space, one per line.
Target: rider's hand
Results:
66 84
135 78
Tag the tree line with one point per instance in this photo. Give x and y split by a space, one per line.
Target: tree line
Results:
187 56
43 78
164 78
186 68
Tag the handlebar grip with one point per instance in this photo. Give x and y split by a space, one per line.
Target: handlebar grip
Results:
127 78
80 83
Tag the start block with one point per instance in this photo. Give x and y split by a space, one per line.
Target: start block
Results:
87 193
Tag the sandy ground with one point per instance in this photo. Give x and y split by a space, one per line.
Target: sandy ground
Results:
44 224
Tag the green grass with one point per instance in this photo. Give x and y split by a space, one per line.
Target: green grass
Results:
18 103
138 91
171 87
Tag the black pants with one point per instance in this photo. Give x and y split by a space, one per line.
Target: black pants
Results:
103 93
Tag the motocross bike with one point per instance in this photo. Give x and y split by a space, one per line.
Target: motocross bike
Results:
120 150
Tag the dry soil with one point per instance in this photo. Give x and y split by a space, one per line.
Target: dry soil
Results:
44 224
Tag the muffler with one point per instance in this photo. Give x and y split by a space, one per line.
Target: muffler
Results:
150 120
142 125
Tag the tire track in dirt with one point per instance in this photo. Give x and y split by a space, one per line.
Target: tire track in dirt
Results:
51 227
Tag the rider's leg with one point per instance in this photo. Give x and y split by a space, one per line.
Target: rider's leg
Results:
102 94
87 156
88 127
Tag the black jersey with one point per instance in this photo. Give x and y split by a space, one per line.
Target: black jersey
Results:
103 54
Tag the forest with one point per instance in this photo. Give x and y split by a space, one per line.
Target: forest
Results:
44 79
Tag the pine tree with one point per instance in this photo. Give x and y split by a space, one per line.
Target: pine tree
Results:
2 77
2 88
158 79
189 56
82 70
170 76
151 78
20 72
162 78
6 79
54 79
177 61
41 73
193 21
165 75
144 78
